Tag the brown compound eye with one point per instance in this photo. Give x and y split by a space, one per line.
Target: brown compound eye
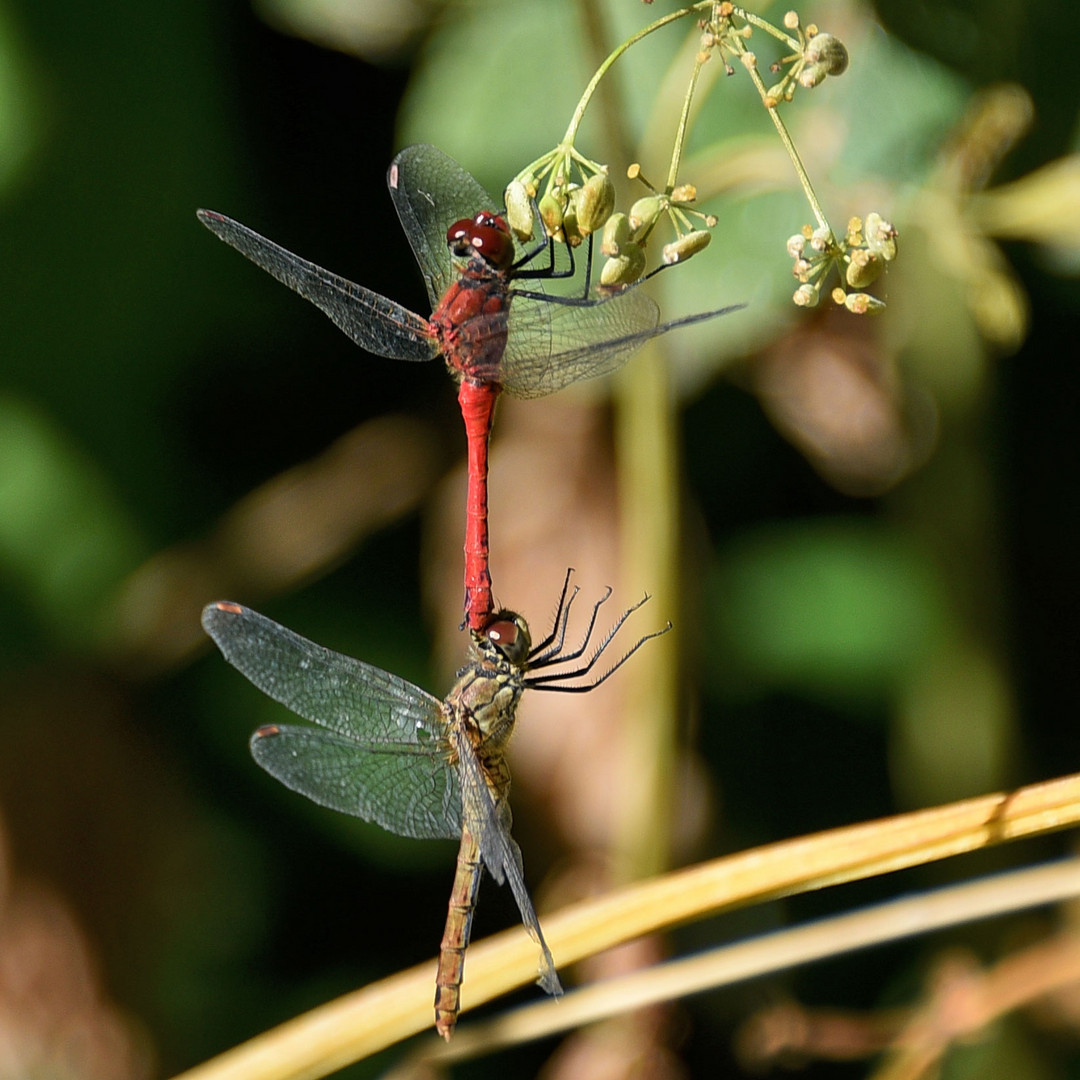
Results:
508 634
503 633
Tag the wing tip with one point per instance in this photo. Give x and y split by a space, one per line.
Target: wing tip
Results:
214 221
212 612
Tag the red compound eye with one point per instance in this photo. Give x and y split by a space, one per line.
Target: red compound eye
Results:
486 235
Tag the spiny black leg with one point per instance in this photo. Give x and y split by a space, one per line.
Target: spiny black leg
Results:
597 653
561 613
603 678
554 657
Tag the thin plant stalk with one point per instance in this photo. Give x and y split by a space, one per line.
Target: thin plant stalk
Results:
369 1020
646 460
891 921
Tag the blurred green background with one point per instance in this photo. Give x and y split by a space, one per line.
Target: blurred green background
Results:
880 532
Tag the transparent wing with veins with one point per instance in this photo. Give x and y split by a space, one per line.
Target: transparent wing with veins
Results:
430 192
383 750
384 754
487 817
549 344
376 323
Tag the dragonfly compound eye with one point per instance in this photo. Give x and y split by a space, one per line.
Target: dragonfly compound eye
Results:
509 634
486 235
503 633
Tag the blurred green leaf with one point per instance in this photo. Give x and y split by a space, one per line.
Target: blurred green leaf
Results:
372 29
65 541
20 132
896 106
838 609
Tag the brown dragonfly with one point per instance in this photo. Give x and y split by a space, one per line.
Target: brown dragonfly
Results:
393 754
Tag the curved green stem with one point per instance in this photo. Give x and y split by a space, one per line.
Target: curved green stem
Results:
789 146
761 24
684 123
602 70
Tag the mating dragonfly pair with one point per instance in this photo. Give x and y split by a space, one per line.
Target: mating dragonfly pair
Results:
387 751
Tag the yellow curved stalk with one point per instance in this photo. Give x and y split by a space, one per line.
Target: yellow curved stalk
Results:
375 1017
893 920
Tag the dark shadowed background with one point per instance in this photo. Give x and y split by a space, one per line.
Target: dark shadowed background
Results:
879 532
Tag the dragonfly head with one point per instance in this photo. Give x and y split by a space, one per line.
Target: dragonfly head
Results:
486 236
505 635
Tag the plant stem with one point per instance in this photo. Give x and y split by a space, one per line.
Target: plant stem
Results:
602 70
789 146
684 122
647 465
761 24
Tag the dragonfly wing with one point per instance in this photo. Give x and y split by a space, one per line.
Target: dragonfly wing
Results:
374 322
551 345
488 819
431 191
548 979
410 794
395 731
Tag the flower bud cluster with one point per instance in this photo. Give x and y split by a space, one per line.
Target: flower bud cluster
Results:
570 211
815 56
859 257
725 36
578 209
818 55
626 235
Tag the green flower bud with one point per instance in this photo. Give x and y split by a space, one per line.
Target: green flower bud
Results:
828 51
645 213
825 55
625 268
863 268
806 296
519 213
796 245
861 303
571 230
616 234
690 244
595 203
551 213
880 237
775 94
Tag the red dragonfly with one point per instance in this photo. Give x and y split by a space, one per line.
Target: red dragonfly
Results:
391 753
492 334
